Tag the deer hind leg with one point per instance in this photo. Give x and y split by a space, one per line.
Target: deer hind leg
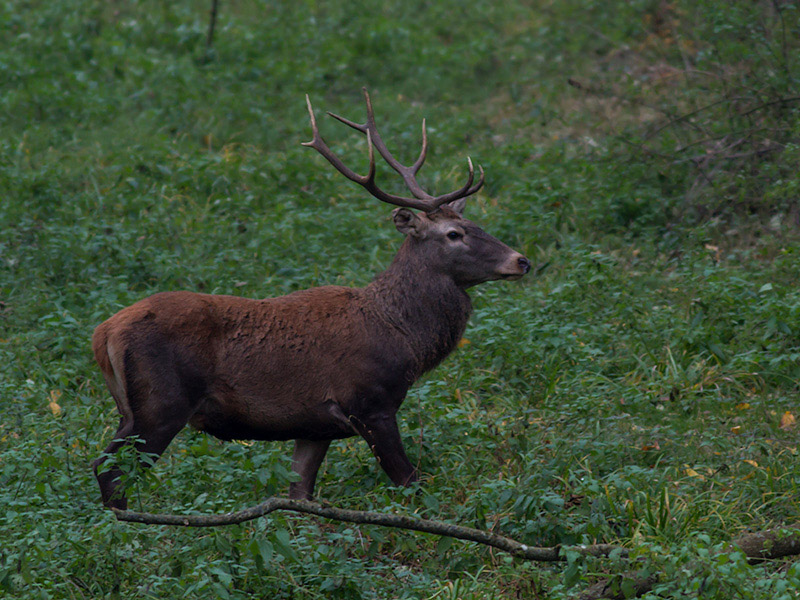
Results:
306 460
154 409
108 479
151 439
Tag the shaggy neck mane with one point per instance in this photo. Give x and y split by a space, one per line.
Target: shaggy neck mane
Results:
426 306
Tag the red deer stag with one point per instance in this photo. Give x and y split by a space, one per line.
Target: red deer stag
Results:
314 366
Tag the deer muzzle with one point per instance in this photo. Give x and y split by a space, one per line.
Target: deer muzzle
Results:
515 267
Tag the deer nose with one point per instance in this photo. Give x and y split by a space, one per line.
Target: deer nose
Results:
524 264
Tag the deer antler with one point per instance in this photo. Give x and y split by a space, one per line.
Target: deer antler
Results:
422 200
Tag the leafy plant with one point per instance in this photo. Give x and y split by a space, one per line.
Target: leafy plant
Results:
633 392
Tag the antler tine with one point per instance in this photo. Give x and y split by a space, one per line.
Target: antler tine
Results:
423 153
365 127
371 150
467 190
368 180
422 200
478 185
320 146
407 173
349 123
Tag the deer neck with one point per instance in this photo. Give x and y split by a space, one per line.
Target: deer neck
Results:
426 307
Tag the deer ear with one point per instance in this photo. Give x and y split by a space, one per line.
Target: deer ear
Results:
407 222
458 205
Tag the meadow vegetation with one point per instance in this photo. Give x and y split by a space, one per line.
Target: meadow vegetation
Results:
639 390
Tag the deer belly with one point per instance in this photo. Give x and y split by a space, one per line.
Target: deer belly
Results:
268 423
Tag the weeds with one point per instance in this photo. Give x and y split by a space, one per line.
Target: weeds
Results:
634 392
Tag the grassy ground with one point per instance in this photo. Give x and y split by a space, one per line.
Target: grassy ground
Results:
640 390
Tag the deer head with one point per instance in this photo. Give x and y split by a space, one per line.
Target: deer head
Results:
450 244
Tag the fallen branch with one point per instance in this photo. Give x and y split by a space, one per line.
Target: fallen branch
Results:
541 554
758 546
770 544
762 545
614 589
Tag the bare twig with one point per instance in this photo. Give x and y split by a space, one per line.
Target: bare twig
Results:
784 48
738 155
686 116
212 23
772 103
747 133
541 554
592 90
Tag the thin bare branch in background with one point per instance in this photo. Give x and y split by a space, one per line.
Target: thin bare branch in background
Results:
212 23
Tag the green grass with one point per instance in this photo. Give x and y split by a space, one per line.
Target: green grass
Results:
631 393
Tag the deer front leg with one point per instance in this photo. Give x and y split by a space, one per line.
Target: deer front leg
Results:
383 437
306 460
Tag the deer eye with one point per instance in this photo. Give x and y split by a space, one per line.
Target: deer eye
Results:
454 235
